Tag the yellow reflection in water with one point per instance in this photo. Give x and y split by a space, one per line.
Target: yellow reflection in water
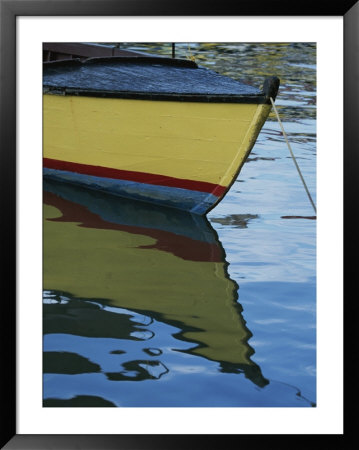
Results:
91 258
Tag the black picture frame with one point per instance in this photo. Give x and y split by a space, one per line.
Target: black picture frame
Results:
9 10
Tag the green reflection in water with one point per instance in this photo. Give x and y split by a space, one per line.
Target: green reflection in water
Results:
129 255
82 401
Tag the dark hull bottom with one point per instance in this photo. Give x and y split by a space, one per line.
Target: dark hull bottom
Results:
195 202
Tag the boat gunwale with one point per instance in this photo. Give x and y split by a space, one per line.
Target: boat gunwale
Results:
256 99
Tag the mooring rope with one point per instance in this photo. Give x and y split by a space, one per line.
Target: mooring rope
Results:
292 154
190 57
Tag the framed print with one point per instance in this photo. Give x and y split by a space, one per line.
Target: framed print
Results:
184 281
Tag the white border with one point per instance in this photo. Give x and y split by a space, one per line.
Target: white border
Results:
327 417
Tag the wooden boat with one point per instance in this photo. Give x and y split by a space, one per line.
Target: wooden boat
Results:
155 129
164 263
61 51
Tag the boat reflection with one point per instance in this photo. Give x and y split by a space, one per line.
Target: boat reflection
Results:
113 266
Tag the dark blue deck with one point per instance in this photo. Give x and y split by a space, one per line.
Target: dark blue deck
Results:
145 77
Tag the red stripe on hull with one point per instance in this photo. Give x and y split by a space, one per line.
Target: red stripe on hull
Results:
140 177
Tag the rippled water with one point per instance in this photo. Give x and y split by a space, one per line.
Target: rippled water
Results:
146 307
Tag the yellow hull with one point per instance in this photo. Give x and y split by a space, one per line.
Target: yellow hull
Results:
197 147
197 141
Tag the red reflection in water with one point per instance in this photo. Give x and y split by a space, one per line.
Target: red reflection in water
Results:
181 246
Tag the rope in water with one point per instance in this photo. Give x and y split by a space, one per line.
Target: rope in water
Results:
293 157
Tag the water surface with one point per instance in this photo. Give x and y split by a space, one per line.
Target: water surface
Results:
149 307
